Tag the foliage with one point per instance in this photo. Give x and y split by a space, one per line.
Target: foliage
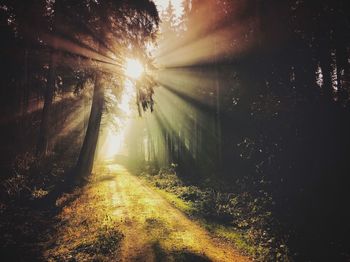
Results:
237 215
268 100
27 214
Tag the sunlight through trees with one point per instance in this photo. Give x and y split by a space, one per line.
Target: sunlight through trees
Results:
133 68
234 112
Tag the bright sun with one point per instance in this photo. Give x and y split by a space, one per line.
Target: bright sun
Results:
133 68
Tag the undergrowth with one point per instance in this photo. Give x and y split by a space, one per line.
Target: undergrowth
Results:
235 215
26 215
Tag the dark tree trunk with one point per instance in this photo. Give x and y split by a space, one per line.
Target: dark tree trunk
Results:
342 64
327 74
25 99
87 152
43 141
218 118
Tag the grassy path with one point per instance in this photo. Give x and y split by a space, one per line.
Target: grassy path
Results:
116 217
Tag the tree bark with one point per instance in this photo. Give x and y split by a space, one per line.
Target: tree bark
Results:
25 98
87 152
327 74
43 141
342 64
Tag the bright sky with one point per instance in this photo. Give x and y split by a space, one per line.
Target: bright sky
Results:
162 4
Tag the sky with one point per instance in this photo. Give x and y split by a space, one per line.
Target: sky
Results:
162 4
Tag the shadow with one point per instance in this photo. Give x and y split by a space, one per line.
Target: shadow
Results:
65 154
178 256
104 179
28 222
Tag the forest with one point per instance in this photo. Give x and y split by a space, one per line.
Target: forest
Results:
192 130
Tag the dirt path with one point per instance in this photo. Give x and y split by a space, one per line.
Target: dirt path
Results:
151 229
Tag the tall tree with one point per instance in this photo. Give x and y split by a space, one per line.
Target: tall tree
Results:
135 23
168 21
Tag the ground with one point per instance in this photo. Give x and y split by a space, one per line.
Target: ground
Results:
117 217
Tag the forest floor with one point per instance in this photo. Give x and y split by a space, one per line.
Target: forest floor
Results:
117 217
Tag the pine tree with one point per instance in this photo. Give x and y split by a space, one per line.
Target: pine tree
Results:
169 21
183 23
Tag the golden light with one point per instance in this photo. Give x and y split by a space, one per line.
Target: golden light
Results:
128 94
113 140
133 68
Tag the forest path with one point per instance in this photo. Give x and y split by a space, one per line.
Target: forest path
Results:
150 228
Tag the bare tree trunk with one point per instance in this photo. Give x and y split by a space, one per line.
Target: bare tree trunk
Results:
87 152
327 74
218 130
43 141
342 64
25 88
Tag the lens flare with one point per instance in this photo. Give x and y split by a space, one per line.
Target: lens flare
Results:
133 68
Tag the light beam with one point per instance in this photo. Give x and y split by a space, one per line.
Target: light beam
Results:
134 68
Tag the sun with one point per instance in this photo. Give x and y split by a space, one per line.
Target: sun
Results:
133 68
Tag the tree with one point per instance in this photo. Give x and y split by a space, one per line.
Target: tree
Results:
183 21
135 23
168 21
81 40
28 21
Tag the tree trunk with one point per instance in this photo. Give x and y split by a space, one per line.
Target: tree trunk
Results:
43 141
25 89
327 74
342 64
87 152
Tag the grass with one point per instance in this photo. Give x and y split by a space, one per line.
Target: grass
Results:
235 217
226 232
87 229
185 206
105 242
237 238
222 231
